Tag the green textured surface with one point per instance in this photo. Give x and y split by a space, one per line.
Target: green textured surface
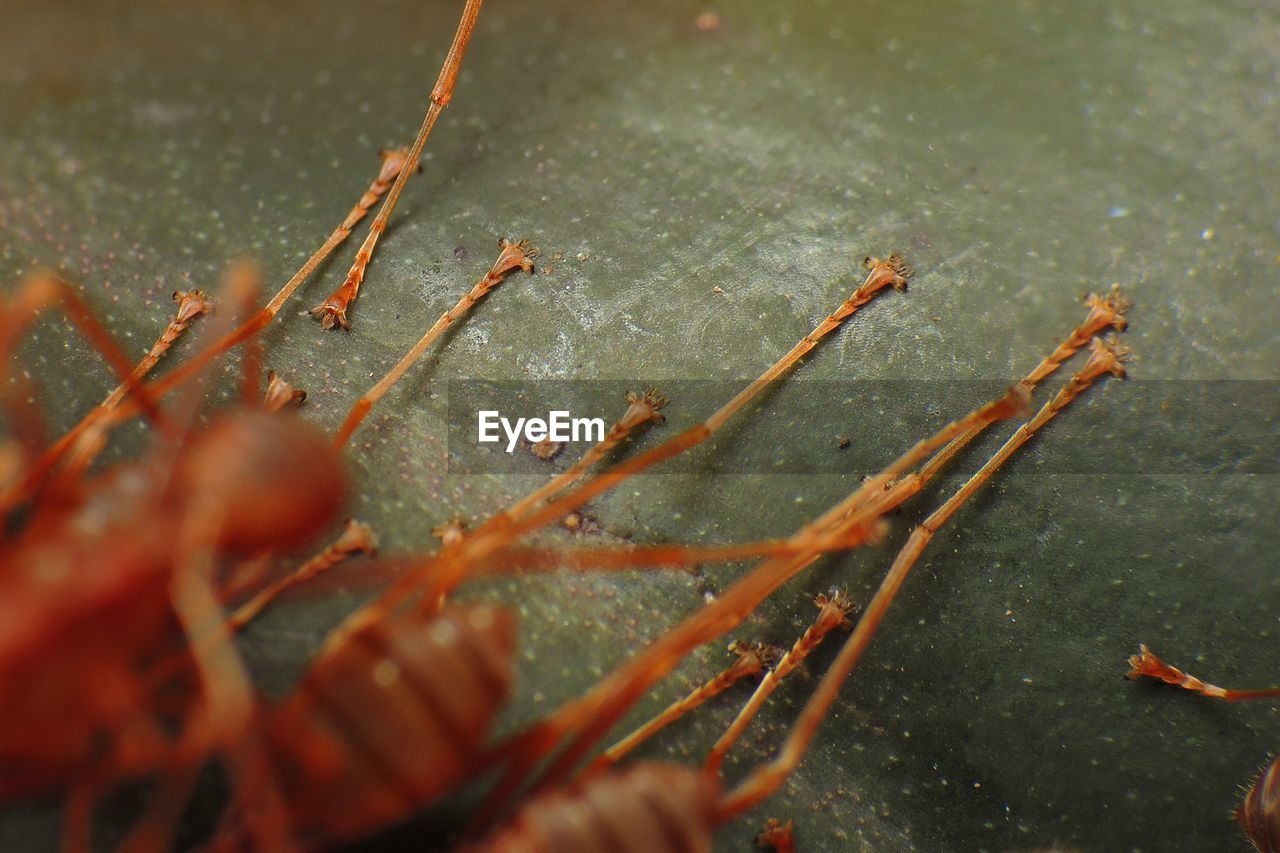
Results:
1021 154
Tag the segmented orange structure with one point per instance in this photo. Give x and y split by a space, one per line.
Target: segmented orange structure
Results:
1259 811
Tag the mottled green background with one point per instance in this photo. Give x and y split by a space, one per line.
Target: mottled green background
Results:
1020 153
